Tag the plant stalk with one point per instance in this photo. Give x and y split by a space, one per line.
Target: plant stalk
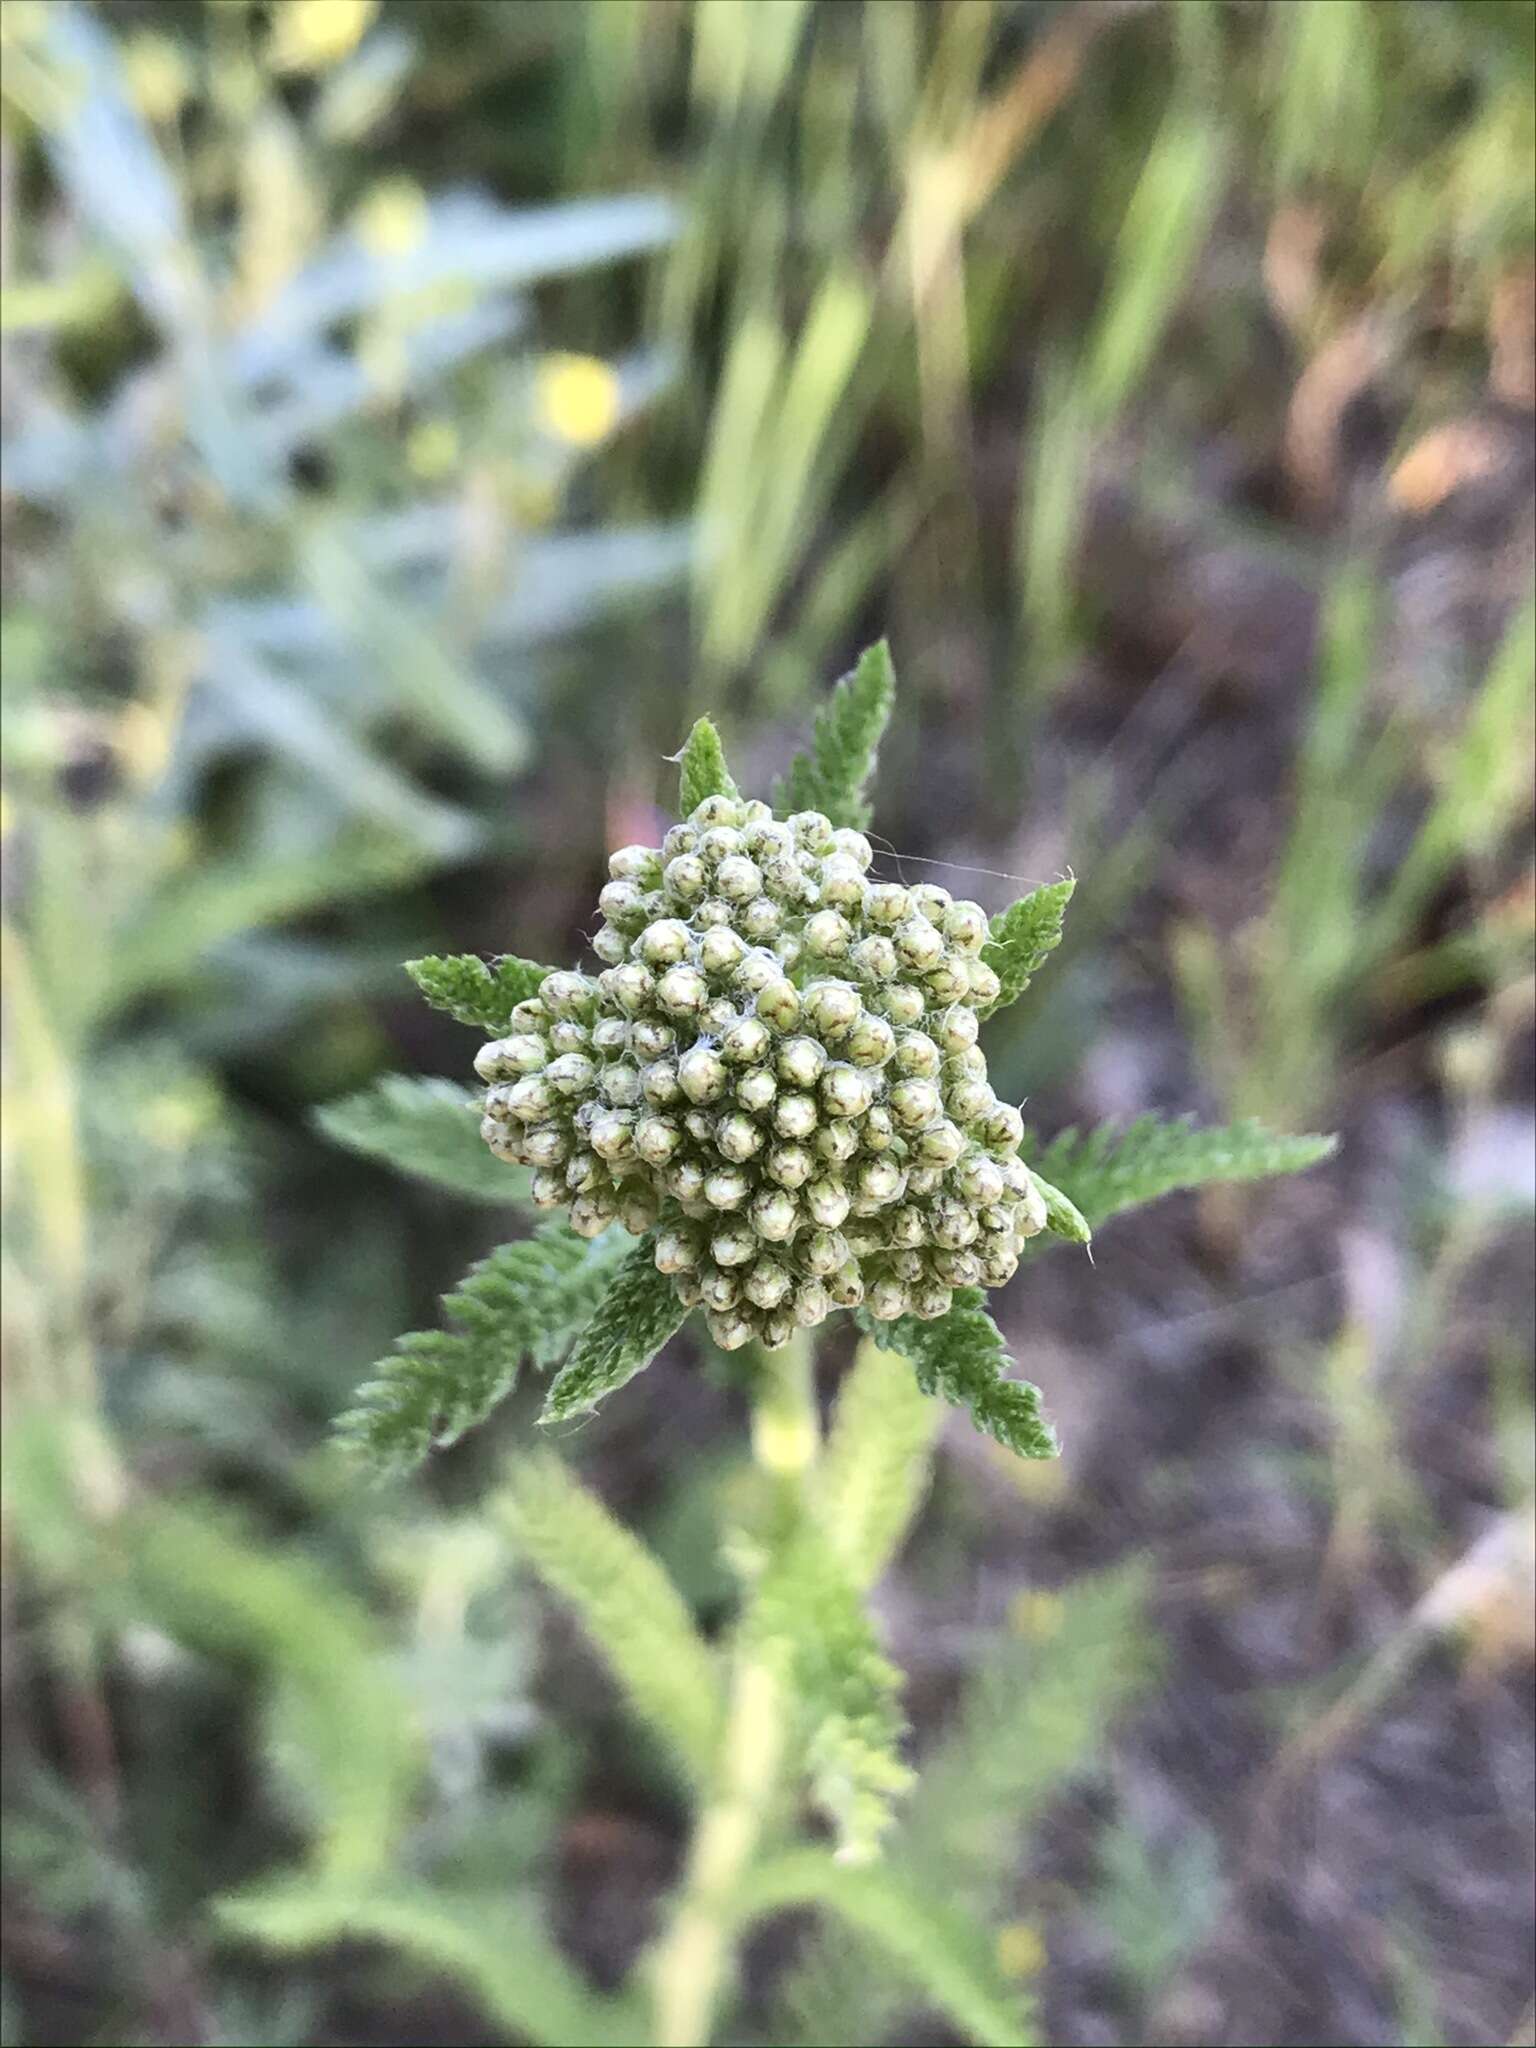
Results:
694 1959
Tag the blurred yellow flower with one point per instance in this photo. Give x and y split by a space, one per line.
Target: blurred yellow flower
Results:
391 218
1036 1614
1020 1950
159 80
578 399
311 35
433 449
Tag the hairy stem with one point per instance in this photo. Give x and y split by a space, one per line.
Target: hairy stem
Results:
692 1963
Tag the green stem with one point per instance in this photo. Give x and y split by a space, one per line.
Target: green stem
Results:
694 1959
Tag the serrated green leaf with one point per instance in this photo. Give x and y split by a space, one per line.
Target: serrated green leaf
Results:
962 1357
845 740
1023 936
939 1950
499 1953
704 770
629 1607
636 1316
1120 1167
808 1618
427 1128
474 992
1061 1214
525 1301
875 1465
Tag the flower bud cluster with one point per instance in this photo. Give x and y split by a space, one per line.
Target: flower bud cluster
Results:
776 1069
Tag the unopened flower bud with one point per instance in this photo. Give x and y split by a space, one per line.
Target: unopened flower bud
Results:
790 1165
546 1145
930 1300
908 1228
609 944
875 960
677 1249
632 986
827 1202
881 1181
955 1028
757 970
610 1035
746 1042
738 1137
775 1328
832 1008
686 878
720 1289
846 1286
612 1137
837 1142
721 951
813 831
886 1300
731 1330
726 1188
622 904
761 919
664 943
812 1304
701 1074
795 1116
914 1104
1003 1129
967 926
919 945
949 981
767 1283
713 812
985 987
845 1091
547 1188
733 1244
877 1132
656 1139
775 1215
531 1099
718 844
739 879
757 1090
969 1102
941 1144
828 934
684 1181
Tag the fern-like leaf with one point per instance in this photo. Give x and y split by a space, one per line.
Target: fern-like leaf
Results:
807 1616
1062 1215
464 986
499 1953
1023 936
1122 1166
636 1316
845 739
875 1467
704 770
426 1128
962 1357
525 1301
629 1607
936 1948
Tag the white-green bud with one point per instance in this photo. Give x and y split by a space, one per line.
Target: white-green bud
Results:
985 987
713 914
783 877
957 1268
832 1008
823 1252
622 903
738 1137
875 959
547 1189
507 1145
847 844
930 1300
908 1266
775 1215
888 904
845 1091
591 1214
812 830
904 1003
916 1054
968 1102
529 1100
746 1042
635 864
758 970
684 1181
949 982
529 1015
733 1244
924 1180
546 1145
717 1016
914 1104
908 1227
828 934
731 1330
701 1074
919 945
638 1207
612 1137
967 926
700 1126
952 1224
649 1038
795 1116
583 1170
881 1181
1003 1130
877 1133
682 991
980 1180
827 1202
610 1035
678 1248
846 1286
716 812
718 844
619 1084
656 1139
739 879
685 878
871 1041
631 986
721 951
886 1300
837 1141
761 919
568 994
659 1084
930 901
955 1028
767 1283
801 1062
775 1328
940 1145
679 839
790 1165
609 944
721 1290
726 1188
664 943
812 1304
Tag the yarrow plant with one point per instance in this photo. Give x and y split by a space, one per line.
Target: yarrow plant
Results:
768 1102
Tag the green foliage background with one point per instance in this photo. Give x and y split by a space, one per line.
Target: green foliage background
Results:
415 417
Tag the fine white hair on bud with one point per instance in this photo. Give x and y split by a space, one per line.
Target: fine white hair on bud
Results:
775 1068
